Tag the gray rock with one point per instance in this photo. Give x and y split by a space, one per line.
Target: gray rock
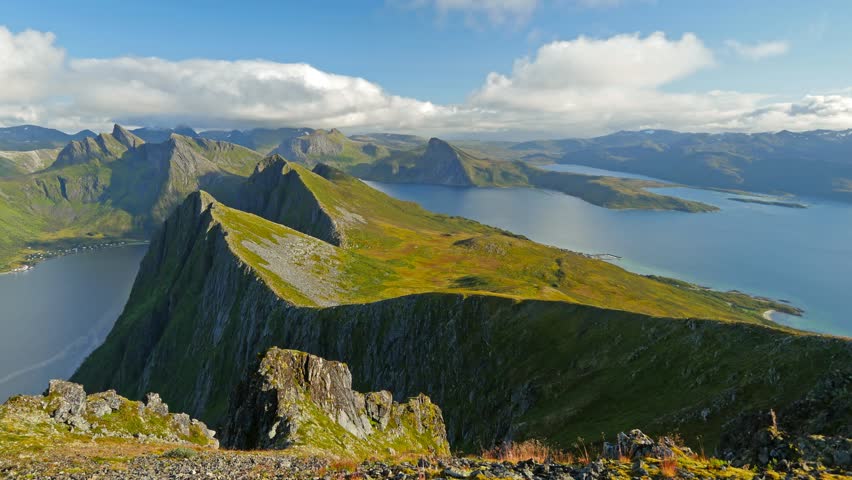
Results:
181 422
154 403
454 473
68 400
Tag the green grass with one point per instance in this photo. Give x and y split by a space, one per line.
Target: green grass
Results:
396 248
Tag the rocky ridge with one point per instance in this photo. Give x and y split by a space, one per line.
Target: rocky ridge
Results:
299 400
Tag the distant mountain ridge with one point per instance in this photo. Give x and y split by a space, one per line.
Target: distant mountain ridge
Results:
440 163
33 137
814 163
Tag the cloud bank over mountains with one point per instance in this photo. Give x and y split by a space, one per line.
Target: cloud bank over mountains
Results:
580 87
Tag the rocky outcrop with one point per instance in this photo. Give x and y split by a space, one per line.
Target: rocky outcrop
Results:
636 445
65 408
295 399
277 192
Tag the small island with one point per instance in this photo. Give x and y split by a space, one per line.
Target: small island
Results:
776 203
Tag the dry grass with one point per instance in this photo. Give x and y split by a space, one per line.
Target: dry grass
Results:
527 450
668 467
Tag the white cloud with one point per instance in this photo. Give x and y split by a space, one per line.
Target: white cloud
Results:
495 11
759 51
39 85
569 88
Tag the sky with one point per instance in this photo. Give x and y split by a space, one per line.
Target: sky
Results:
491 69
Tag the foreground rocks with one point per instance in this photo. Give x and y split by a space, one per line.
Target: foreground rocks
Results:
124 461
66 413
295 399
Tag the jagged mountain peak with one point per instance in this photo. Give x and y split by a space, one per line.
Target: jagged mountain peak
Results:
123 136
289 194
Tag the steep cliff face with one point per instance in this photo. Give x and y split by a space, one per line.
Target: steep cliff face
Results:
277 192
294 399
199 315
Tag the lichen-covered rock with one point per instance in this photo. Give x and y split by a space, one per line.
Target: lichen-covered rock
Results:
154 403
100 404
66 400
300 400
65 412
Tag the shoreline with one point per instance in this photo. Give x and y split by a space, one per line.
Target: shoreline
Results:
32 262
767 315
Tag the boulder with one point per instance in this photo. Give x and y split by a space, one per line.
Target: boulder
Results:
297 399
154 403
66 400
636 445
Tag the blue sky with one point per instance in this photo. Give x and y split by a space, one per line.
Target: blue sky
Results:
441 51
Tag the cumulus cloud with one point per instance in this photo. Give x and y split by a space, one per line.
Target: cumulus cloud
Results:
579 87
758 51
591 86
41 86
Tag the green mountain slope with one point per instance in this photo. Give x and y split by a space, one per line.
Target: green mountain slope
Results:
441 163
536 340
113 186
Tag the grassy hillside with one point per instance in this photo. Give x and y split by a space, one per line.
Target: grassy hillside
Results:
539 341
110 187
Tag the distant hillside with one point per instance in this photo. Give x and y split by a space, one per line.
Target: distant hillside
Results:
263 140
159 135
443 164
21 162
112 186
330 147
816 163
32 137
391 140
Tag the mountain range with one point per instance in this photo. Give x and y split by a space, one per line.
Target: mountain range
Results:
278 286
816 163
540 341
121 185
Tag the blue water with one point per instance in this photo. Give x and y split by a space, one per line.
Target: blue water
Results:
800 255
53 316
